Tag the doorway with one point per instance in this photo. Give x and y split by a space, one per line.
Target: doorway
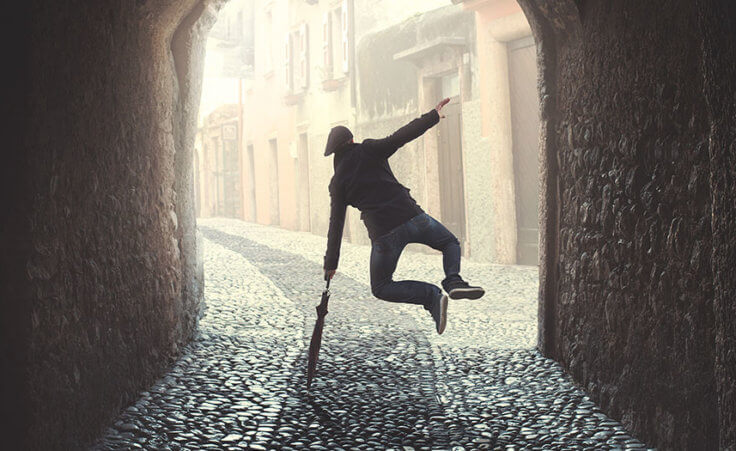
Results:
274 181
450 170
525 135
231 177
302 183
251 183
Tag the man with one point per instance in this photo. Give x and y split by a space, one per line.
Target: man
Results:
364 180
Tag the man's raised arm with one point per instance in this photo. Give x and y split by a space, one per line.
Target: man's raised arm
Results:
384 148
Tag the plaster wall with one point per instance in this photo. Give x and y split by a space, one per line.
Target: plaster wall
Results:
478 165
495 85
312 111
496 24
321 108
266 118
376 15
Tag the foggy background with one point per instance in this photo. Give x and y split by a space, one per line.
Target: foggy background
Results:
280 73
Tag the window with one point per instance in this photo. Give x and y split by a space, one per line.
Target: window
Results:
239 25
251 183
450 85
288 73
336 42
296 59
268 39
303 56
302 184
345 27
327 44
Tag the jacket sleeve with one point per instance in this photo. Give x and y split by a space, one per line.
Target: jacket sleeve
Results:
384 148
338 208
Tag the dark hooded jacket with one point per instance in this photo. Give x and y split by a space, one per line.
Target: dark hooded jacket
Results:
363 179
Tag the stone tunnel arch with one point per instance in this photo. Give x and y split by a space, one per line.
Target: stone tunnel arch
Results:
90 272
631 279
108 283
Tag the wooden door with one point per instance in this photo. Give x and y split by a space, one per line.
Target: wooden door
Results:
232 201
450 160
525 135
251 183
302 185
273 181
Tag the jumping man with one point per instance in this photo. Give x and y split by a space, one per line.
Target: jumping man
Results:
364 180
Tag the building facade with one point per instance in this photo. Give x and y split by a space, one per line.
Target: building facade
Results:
476 171
217 165
373 66
304 84
509 131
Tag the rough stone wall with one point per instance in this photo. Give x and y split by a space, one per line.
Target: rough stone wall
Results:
633 237
320 173
718 25
110 284
15 196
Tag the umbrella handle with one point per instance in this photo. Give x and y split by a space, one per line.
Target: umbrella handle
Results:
322 310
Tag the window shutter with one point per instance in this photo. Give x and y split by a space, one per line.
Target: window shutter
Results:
345 37
270 44
303 56
327 43
288 73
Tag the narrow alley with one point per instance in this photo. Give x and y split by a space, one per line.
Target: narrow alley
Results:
594 141
385 379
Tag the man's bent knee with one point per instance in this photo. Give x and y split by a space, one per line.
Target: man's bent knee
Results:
449 241
378 290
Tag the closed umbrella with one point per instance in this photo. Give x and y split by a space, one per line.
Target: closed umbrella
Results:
316 341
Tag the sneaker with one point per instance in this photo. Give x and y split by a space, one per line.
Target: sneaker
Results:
439 312
459 289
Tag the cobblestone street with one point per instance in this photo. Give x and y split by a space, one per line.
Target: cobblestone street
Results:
385 378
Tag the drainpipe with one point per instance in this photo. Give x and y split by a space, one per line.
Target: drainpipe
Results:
353 65
240 148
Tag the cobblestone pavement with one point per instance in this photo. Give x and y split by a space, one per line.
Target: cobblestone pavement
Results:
385 379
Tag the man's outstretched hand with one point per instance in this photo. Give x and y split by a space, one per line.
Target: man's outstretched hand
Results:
442 103
329 274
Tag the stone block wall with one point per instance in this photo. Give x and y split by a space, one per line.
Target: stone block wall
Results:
637 229
103 283
718 28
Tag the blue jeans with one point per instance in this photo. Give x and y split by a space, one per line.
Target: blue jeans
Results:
386 250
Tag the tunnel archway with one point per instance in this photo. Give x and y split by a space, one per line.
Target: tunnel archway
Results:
108 285
101 239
